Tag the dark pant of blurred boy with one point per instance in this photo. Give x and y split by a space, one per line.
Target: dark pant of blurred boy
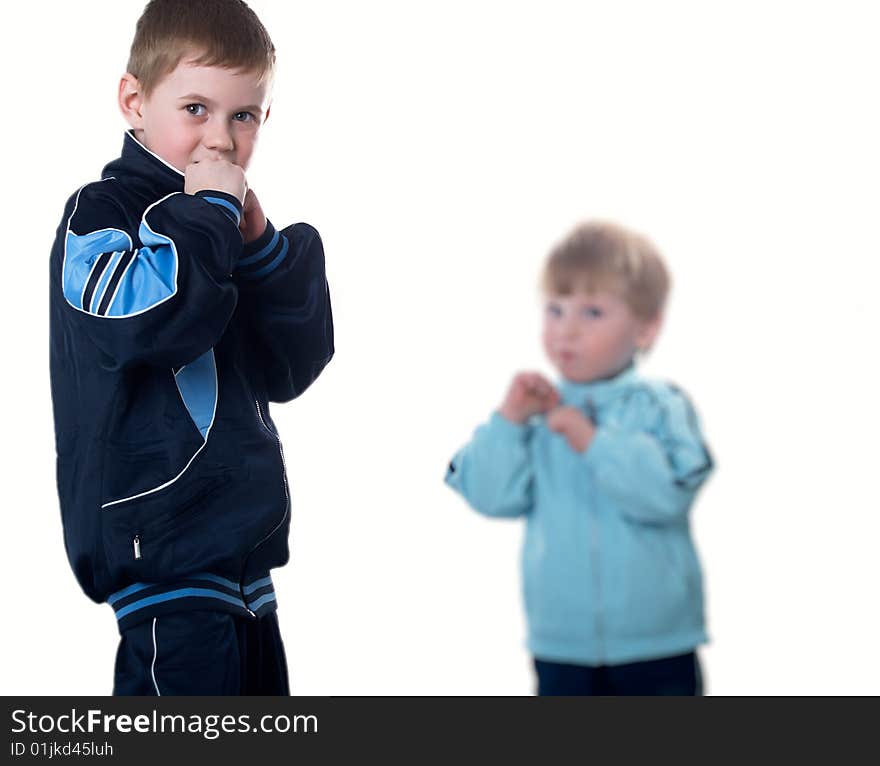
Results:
670 676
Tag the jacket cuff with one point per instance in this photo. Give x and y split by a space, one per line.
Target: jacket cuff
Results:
226 203
503 428
252 248
263 256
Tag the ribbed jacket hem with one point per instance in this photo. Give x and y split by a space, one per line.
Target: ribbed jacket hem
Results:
143 601
617 652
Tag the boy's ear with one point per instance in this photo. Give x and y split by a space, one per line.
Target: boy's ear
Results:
131 100
268 112
648 331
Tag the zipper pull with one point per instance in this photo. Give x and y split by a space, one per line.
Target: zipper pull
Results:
591 412
137 547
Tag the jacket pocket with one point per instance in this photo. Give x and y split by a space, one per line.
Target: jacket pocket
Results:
147 538
190 507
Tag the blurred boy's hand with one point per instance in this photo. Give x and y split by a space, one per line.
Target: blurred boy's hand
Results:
573 425
529 394
253 220
211 174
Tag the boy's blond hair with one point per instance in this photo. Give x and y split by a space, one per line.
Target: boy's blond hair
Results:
599 255
224 33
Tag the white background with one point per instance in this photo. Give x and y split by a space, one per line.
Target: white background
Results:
441 149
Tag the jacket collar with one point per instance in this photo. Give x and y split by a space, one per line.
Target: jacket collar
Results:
139 162
597 392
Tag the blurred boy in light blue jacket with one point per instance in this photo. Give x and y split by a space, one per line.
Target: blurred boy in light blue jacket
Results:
604 466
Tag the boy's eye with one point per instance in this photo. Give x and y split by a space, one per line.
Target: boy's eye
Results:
245 117
592 312
554 310
193 109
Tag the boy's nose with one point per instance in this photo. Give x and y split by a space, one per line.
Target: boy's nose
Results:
219 140
570 329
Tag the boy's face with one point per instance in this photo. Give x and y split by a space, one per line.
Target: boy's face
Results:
588 336
197 112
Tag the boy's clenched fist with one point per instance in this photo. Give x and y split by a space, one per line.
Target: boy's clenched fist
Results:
573 425
215 175
530 393
253 219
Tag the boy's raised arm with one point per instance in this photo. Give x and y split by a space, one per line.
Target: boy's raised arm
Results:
158 291
285 301
655 473
493 472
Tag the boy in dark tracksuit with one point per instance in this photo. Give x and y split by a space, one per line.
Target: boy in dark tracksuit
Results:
178 312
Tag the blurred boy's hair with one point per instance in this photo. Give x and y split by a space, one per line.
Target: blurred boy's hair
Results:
225 33
600 255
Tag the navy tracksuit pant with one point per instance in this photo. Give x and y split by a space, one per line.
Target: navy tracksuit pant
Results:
670 676
202 653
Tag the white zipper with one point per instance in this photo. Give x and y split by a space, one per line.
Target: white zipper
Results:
137 547
286 506
280 449
597 582
594 546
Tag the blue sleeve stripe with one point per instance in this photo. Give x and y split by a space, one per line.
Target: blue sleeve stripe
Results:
85 258
148 279
89 281
119 270
230 209
269 267
103 275
262 253
101 288
88 292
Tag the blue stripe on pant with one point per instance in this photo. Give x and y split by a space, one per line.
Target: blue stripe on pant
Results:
202 653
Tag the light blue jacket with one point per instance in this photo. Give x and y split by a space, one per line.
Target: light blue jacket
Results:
610 573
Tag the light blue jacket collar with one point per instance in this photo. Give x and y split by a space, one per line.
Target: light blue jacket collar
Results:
597 392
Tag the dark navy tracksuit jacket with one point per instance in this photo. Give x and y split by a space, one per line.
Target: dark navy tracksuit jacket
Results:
169 338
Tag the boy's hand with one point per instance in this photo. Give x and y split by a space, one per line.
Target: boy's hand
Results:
253 220
215 175
529 394
573 425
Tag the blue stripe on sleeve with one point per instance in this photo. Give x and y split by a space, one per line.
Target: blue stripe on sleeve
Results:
150 278
262 253
98 295
227 207
269 267
81 253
